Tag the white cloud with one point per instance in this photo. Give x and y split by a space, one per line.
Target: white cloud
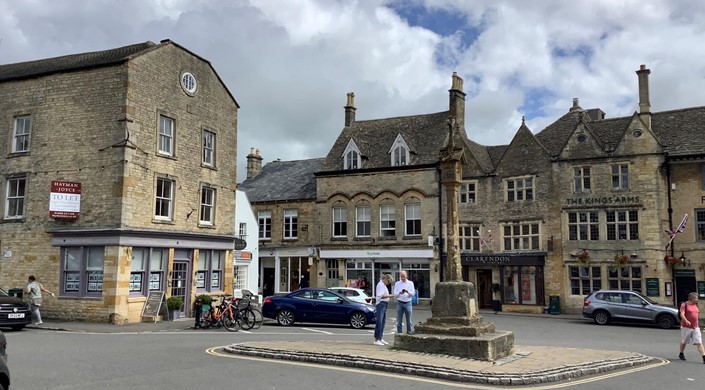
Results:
290 63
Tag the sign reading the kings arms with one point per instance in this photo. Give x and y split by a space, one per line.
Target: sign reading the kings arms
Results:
603 200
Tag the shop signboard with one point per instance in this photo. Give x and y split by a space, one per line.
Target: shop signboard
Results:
652 287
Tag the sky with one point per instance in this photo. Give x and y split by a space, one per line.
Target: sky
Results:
290 63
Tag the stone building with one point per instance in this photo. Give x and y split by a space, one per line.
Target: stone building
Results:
118 179
578 206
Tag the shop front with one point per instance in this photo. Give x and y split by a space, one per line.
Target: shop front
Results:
363 268
516 280
284 269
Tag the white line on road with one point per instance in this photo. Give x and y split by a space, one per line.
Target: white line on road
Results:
316 330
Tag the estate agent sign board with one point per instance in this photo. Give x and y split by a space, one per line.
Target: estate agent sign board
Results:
65 200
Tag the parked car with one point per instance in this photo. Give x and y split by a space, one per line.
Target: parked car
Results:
4 371
14 312
353 294
319 305
605 306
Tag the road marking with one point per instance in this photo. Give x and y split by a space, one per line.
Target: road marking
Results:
317 331
214 352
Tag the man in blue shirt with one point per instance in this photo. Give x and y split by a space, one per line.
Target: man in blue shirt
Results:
403 292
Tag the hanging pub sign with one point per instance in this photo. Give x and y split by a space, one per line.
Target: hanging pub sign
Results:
65 200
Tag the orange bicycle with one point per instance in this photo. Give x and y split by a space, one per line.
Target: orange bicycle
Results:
226 314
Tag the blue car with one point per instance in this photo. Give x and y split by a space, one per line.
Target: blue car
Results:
319 305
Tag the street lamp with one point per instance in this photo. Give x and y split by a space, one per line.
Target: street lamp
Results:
683 259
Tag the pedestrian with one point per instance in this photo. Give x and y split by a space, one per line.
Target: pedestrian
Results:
197 311
304 282
690 331
403 293
34 290
382 296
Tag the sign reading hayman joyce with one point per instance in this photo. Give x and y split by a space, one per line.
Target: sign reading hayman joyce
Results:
65 200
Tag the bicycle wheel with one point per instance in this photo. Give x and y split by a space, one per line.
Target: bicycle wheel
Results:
247 319
231 324
259 319
205 319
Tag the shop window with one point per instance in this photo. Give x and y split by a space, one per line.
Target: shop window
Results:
625 278
209 273
147 270
419 273
82 271
523 285
332 267
241 274
584 280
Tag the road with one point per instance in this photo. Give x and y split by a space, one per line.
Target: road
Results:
49 360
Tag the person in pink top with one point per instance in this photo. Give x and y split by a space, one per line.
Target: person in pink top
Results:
690 331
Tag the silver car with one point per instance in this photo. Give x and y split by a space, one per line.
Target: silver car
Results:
605 306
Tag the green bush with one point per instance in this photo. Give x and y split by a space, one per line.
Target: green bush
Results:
205 298
174 303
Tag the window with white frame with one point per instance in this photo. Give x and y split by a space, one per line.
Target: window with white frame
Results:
469 238
82 271
207 216
583 225
164 204
581 180
399 152
166 135
291 224
520 189
622 225
242 230
241 274
521 236
625 278
20 137
208 148
351 156
584 280
700 224
387 221
340 221
467 192
209 272
412 218
15 193
264 220
147 270
332 267
620 177
363 221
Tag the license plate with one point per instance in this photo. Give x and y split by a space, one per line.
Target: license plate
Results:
15 315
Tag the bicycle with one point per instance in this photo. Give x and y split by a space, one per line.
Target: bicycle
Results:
251 317
225 314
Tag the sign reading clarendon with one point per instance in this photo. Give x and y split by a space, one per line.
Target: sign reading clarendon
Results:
502 259
604 200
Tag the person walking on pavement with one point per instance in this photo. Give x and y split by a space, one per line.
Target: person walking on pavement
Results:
690 331
403 293
34 290
382 296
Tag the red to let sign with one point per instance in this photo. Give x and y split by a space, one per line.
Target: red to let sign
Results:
65 200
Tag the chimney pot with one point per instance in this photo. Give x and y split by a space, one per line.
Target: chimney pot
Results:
254 163
350 110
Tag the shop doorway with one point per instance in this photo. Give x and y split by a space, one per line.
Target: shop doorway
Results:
179 282
268 281
685 284
484 288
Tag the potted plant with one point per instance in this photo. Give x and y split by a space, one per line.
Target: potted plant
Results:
584 257
671 260
174 306
621 260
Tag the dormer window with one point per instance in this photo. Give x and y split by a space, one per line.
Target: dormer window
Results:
351 156
399 152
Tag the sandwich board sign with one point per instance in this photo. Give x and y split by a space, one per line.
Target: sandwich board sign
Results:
153 304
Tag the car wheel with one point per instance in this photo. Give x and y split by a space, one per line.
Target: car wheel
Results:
17 327
358 320
601 317
665 321
285 317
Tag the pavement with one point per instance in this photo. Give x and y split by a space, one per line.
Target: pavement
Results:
528 365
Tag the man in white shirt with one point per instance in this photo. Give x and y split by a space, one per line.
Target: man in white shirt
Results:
403 292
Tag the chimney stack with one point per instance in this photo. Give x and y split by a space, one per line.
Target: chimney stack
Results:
457 100
254 163
576 105
350 110
644 103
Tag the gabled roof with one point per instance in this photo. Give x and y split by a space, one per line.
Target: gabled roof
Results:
95 59
424 134
283 181
610 131
555 135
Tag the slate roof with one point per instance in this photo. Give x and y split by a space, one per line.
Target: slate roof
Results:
681 131
283 181
424 134
30 69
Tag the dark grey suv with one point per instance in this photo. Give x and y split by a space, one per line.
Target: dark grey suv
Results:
606 306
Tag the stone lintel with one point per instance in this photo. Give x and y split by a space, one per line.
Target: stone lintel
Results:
488 347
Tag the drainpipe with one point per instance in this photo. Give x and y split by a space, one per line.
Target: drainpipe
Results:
670 224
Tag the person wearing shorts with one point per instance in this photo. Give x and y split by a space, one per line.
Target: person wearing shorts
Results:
690 331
